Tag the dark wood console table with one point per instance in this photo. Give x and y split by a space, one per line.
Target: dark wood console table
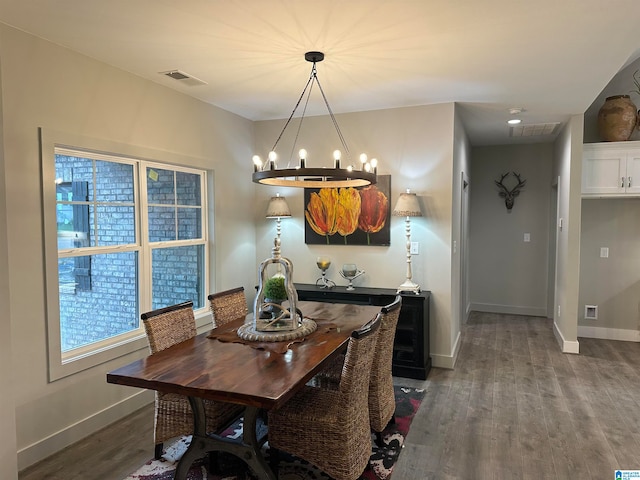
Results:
411 345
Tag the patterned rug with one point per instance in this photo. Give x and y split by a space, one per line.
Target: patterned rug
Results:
292 468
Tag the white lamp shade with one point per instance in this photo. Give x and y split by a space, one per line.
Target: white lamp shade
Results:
407 206
278 207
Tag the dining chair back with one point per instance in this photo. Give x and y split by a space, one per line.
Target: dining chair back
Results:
382 404
330 427
166 327
228 305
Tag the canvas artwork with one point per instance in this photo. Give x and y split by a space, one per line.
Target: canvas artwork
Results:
348 216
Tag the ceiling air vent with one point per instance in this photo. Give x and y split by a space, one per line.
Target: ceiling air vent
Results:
534 130
184 77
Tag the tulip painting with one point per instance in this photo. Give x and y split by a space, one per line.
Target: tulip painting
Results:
348 216
321 212
373 211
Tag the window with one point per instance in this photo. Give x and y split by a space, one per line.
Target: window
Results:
131 237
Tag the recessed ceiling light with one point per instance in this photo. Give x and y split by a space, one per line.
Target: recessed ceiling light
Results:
514 121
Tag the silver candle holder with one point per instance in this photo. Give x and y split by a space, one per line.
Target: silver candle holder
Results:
350 272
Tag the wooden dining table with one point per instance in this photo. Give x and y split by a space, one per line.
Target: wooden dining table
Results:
218 365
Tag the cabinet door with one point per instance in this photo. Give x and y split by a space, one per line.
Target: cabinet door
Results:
603 171
633 173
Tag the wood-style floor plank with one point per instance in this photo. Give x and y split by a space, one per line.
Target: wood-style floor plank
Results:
514 407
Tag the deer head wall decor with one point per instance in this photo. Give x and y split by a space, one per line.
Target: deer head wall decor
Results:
510 195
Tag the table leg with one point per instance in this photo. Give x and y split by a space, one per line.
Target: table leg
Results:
248 449
253 454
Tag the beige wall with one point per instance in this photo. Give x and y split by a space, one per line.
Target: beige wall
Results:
613 283
460 303
46 86
568 167
8 460
416 147
517 282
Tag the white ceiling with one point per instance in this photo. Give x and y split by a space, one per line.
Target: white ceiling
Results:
550 57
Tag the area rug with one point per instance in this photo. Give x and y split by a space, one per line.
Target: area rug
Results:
292 468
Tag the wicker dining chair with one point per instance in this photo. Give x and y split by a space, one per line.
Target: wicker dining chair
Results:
330 428
166 327
228 305
382 402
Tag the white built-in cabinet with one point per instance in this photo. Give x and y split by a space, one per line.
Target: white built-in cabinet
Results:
611 169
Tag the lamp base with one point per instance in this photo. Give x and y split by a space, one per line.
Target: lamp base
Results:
409 286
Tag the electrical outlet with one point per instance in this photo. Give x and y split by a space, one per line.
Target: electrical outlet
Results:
527 237
415 248
604 252
558 311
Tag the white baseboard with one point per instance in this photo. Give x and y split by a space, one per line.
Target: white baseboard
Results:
509 309
442 361
456 348
609 333
41 449
447 361
566 345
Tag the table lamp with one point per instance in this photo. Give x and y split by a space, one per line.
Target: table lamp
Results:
408 206
277 209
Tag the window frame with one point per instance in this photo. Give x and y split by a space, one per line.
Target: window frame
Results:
81 358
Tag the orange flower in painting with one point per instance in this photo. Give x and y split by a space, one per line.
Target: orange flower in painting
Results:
348 211
321 211
373 210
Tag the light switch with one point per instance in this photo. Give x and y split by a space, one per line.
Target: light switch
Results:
604 252
415 248
527 237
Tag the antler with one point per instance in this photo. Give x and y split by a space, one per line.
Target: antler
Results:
521 182
501 185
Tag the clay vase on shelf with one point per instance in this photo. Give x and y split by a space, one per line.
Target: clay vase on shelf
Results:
617 118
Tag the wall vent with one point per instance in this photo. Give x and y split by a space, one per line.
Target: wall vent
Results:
183 77
590 312
534 130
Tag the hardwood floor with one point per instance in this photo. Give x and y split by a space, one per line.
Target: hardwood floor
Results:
515 407
110 454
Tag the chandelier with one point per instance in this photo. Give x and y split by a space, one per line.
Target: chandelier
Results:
341 175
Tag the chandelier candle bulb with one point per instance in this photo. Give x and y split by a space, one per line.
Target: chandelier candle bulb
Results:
337 154
257 163
374 165
363 159
303 158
